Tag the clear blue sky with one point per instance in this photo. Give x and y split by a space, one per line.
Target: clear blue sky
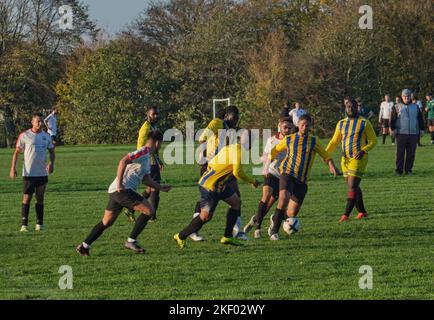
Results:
113 15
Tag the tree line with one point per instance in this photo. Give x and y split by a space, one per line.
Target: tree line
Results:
180 54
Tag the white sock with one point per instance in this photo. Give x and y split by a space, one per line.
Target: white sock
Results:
196 214
131 240
85 245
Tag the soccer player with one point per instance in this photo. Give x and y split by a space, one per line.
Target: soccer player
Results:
270 190
384 116
214 186
300 149
152 117
34 143
226 119
296 113
51 124
133 169
358 138
430 110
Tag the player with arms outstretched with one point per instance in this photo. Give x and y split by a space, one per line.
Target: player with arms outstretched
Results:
357 137
300 149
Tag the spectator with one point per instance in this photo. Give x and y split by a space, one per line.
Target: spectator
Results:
51 124
363 110
430 110
384 116
407 122
296 113
415 100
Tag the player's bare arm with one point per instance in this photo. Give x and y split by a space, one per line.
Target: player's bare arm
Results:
155 185
50 166
13 171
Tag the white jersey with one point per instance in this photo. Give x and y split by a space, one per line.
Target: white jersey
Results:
385 110
295 114
275 165
52 124
135 171
34 145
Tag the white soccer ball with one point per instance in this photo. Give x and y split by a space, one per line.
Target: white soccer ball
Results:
291 225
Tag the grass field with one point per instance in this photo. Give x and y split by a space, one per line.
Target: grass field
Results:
320 262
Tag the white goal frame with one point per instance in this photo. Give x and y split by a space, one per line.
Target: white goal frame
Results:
214 104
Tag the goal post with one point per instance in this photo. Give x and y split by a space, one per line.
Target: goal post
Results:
215 102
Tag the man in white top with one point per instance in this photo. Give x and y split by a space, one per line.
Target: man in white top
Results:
51 124
384 117
296 113
34 143
133 169
271 172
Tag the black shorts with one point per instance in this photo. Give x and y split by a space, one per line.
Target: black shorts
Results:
203 168
124 199
431 122
272 182
31 183
209 200
385 123
295 187
155 173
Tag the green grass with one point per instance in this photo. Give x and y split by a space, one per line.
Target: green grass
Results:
320 262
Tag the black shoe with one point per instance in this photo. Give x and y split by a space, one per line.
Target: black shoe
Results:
409 173
134 246
398 174
82 250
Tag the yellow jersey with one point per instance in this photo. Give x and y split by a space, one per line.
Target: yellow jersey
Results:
225 164
300 155
356 134
144 131
211 137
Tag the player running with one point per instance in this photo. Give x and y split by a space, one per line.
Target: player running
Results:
430 110
270 190
358 138
214 186
153 195
34 143
300 149
215 140
133 169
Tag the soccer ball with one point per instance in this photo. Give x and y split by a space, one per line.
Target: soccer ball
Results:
291 225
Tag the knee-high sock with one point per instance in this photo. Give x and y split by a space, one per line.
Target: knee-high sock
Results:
278 217
95 233
360 206
39 208
25 209
351 202
432 136
392 136
231 219
194 226
155 200
140 224
197 208
262 211
384 138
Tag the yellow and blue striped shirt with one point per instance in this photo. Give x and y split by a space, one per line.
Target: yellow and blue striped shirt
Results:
225 164
356 134
300 155
211 136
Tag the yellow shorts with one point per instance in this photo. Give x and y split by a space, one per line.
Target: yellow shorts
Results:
353 167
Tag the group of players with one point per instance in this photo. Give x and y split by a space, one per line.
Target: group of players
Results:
288 159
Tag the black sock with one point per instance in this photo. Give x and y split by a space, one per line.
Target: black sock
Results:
393 138
384 138
25 209
262 211
39 208
231 219
95 233
146 194
197 208
351 202
140 224
278 217
194 226
432 136
359 202
154 199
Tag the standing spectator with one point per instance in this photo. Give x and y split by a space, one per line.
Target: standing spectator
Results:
430 110
296 113
51 124
384 117
414 99
407 122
